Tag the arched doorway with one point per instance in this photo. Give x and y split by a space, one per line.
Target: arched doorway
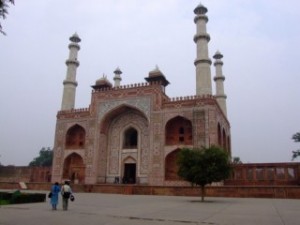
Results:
75 137
219 135
129 174
179 131
224 140
74 168
171 167
125 130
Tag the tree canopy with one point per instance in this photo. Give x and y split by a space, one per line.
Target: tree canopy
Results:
203 166
296 138
236 160
44 159
3 11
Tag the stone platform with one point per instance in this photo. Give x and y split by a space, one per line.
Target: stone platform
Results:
116 209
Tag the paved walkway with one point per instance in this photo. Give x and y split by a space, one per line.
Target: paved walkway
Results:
110 209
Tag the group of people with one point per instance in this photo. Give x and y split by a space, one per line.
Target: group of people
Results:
66 193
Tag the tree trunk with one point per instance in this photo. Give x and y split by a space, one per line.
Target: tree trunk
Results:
202 193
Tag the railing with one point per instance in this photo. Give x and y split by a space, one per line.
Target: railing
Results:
74 110
127 86
192 97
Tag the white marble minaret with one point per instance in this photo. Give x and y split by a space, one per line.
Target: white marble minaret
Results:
219 79
117 77
202 62
70 83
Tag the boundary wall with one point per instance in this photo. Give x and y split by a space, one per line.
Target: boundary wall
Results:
287 192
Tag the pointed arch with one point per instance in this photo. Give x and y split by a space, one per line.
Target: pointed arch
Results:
130 138
129 159
129 170
224 137
75 137
116 112
125 131
179 131
171 167
74 168
228 145
219 135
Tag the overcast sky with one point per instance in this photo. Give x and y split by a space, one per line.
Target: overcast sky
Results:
258 38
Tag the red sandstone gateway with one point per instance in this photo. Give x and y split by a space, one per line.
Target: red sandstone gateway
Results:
132 133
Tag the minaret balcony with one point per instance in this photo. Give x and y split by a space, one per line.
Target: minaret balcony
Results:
72 61
219 78
74 45
70 82
221 96
201 36
197 61
201 17
218 62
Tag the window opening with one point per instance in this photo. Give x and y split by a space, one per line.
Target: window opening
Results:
130 138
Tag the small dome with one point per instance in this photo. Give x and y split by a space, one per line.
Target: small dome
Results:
118 71
75 38
218 55
200 9
155 72
103 82
157 76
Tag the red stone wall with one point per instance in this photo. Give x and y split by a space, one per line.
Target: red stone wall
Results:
271 174
25 174
290 192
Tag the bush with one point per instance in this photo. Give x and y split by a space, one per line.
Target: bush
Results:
19 198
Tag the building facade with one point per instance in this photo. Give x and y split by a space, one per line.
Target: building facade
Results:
132 133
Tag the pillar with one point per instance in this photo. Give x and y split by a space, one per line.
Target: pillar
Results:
117 77
70 83
219 80
202 62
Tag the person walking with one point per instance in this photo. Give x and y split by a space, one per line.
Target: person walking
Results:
66 192
55 189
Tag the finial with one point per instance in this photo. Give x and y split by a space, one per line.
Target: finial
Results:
156 69
75 38
200 9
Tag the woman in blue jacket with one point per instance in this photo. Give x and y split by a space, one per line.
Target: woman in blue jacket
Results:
55 190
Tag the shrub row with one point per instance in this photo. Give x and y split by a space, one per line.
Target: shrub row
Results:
18 198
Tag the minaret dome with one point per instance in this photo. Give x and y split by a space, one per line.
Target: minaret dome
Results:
200 9
75 38
218 55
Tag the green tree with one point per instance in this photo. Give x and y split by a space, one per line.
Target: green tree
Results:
296 138
3 11
236 160
203 166
44 159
